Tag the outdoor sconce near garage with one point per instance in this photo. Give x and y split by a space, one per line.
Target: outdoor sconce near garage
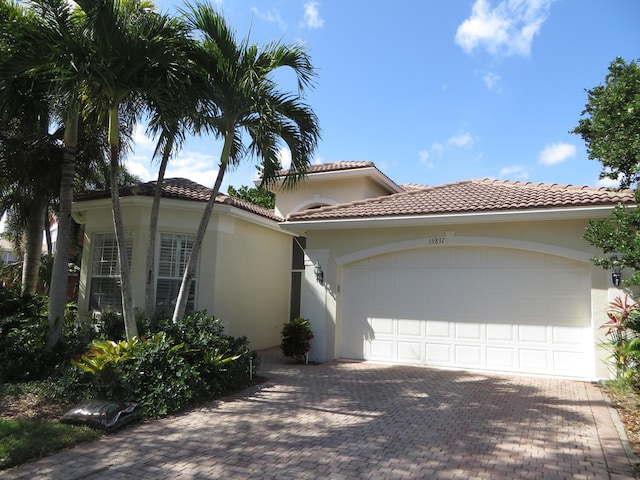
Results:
616 273
317 269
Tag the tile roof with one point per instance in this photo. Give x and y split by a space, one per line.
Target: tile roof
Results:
469 196
380 177
335 166
183 189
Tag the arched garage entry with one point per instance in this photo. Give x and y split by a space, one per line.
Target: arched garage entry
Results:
470 306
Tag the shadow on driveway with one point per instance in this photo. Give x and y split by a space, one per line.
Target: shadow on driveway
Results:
360 420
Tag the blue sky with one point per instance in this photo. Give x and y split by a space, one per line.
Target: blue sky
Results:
436 92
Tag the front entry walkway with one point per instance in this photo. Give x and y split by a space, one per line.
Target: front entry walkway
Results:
366 421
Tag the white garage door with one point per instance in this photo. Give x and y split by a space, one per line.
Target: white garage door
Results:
470 307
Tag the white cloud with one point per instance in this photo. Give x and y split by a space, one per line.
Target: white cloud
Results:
492 80
556 153
312 18
461 140
608 183
270 17
437 148
507 29
424 158
141 141
515 172
284 155
194 166
139 169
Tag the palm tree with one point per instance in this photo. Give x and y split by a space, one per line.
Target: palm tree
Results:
47 44
27 150
246 100
154 57
170 125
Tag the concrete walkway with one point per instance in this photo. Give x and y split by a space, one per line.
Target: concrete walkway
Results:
361 420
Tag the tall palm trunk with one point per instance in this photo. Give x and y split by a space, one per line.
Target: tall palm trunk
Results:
60 270
47 231
190 269
33 248
130 327
150 287
35 221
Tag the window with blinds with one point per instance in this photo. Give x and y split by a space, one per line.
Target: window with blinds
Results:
105 293
173 256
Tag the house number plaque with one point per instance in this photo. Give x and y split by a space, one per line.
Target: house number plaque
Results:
436 240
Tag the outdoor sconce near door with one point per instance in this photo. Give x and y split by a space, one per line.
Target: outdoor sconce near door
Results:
317 269
616 273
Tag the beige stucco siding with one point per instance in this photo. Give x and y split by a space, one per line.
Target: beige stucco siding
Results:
243 273
253 270
315 191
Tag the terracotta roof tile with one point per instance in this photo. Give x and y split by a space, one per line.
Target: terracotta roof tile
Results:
412 186
334 167
469 196
183 189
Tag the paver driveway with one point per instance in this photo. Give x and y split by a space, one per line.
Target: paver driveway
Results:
361 420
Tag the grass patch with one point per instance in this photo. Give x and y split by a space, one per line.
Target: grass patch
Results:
22 440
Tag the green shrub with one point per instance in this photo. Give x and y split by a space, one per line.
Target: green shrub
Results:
23 333
159 378
296 339
171 368
110 325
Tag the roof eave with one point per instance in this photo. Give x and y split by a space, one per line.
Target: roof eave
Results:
564 213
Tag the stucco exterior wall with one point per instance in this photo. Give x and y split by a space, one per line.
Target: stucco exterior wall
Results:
331 192
253 277
243 271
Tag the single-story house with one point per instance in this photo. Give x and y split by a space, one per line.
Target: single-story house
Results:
481 274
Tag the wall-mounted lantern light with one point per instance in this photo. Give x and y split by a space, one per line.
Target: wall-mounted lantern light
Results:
317 269
616 273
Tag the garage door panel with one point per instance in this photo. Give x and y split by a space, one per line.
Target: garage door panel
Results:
568 336
438 354
533 334
502 358
500 333
468 355
534 361
437 329
470 307
381 349
410 352
468 330
411 328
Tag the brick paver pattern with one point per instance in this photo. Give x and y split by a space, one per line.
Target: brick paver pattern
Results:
359 420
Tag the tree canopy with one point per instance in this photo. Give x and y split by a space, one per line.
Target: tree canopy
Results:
256 195
611 130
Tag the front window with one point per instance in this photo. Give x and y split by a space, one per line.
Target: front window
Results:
173 256
106 293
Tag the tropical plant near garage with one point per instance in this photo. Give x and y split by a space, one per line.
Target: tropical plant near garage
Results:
623 332
296 339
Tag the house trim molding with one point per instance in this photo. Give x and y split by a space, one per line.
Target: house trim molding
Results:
450 240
